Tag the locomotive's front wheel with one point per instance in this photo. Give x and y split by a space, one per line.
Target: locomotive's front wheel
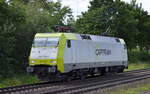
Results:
42 77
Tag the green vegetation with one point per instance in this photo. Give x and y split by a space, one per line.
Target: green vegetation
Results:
138 60
139 89
18 80
119 19
138 65
136 56
20 20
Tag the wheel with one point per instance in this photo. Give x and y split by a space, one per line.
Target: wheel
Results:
92 72
103 71
42 77
67 77
120 69
82 75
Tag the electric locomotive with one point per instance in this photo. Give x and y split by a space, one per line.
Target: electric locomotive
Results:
70 55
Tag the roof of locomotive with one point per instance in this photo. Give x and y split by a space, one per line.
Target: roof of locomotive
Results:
67 35
75 36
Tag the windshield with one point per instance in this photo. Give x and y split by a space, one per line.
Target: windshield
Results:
46 42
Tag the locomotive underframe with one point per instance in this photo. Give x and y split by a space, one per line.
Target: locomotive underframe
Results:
50 73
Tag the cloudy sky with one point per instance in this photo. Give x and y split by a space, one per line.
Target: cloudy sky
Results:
79 6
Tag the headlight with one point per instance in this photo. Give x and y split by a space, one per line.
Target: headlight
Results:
33 61
53 61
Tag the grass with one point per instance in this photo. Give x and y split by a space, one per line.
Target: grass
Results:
138 65
137 90
18 80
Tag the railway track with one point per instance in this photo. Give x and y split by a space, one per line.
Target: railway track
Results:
78 86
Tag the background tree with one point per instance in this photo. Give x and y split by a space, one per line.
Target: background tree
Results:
20 20
120 19
98 18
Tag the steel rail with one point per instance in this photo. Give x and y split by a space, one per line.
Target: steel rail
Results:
47 84
99 85
26 87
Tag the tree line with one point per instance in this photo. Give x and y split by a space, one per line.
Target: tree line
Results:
20 20
118 18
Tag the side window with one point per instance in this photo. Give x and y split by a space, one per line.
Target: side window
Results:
87 37
68 43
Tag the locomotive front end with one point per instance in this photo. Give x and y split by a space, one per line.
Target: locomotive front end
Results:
44 55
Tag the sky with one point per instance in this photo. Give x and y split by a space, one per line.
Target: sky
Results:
79 6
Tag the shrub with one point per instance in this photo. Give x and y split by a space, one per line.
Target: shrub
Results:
135 56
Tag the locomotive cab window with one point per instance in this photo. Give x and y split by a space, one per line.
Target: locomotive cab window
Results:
52 42
45 42
68 43
39 42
